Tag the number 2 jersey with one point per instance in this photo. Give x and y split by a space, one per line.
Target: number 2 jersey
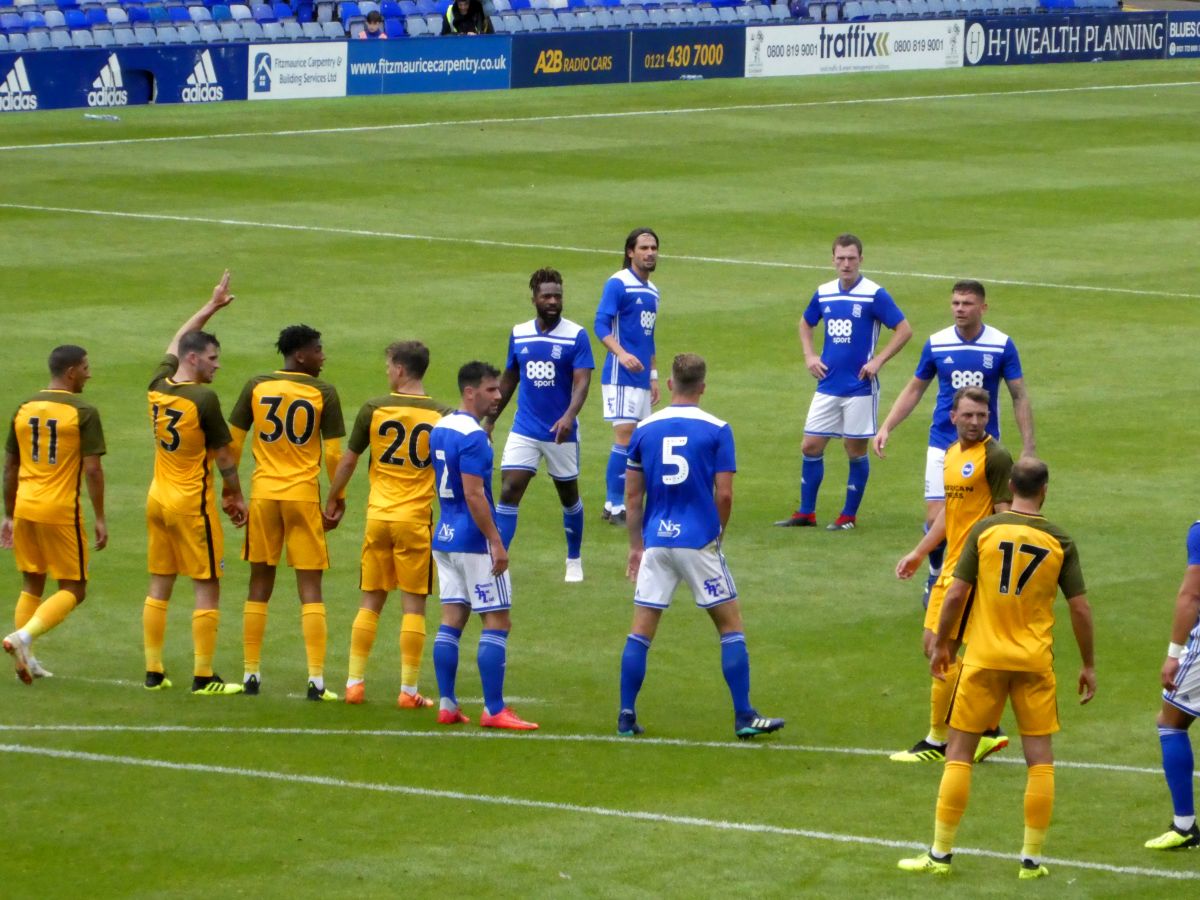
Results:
395 429
679 451
984 362
545 362
290 413
50 434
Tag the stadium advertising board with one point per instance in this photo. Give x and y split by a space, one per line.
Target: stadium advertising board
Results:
294 71
1022 40
425 65
853 47
1183 35
104 80
671 53
594 57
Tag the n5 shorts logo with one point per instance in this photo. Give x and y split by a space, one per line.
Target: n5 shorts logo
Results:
263 71
16 95
968 469
669 529
648 318
202 84
483 593
540 372
962 379
839 330
109 87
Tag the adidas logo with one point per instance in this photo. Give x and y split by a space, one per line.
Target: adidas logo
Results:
15 93
828 310
109 88
524 351
202 84
948 360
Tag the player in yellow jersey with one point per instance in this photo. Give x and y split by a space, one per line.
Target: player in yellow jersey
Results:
293 415
183 531
1006 579
394 429
54 444
976 474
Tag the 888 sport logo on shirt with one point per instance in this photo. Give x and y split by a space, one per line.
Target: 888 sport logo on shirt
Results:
648 318
540 372
966 378
839 330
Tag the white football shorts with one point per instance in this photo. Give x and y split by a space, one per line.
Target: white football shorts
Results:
852 417
1186 695
467 579
704 571
935 474
623 404
523 452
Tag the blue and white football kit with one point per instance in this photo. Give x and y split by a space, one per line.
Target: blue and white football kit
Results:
1186 695
628 310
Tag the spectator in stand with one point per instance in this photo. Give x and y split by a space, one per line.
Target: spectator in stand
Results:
374 28
466 17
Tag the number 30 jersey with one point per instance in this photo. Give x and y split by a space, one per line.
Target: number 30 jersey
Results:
679 451
983 362
290 413
545 362
395 429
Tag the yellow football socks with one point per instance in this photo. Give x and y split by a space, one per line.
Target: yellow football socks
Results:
940 694
204 640
952 799
412 646
51 613
27 605
312 625
1039 804
254 627
362 639
154 630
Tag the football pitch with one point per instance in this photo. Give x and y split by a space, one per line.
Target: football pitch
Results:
1068 190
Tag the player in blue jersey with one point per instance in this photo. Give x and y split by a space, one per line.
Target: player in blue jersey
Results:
629 380
471 559
967 354
549 365
681 464
847 398
1181 705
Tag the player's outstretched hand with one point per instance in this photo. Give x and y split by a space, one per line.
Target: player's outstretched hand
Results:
6 529
101 528
220 295
1169 670
908 565
235 507
1087 685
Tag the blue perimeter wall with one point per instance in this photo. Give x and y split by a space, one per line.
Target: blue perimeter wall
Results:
103 79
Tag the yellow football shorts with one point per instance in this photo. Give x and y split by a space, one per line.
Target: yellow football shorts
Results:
296 524
933 612
180 544
980 695
397 555
60 550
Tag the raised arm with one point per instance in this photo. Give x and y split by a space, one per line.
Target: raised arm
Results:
219 300
1023 413
904 404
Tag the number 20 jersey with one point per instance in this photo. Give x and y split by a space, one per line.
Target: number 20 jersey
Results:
289 413
983 362
396 428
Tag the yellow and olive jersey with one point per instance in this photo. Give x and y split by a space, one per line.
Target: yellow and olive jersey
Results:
290 414
50 435
188 430
1017 563
976 480
395 428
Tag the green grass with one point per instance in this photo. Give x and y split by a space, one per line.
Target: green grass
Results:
1041 195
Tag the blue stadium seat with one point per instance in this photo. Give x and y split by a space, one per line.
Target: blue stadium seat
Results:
104 37
312 30
621 18
253 31
34 19
283 11
393 27
368 7
145 34
291 30
536 6
853 11
240 12
349 10
220 13
390 9
123 36
3 42
638 17
231 31
56 19
17 42
263 12
529 22
333 31
137 15
726 15
60 39
408 8
428 8
38 40
603 16
158 14
415 24
167 34
780 12
657 16
691 14
548 21
189 33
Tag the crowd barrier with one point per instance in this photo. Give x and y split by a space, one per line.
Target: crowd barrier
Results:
105 79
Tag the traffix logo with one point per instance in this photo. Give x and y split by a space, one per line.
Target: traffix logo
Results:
109 87
15 93
554 62
202 85
856 41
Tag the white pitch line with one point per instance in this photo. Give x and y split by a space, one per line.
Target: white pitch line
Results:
539 737
563 248
575 117
548 805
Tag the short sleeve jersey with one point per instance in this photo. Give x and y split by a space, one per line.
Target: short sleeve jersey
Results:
188 430
460 446
50 434
984 362
679 451
395 430
546 362
852 320
628 309
1017 563
289 413
976 480
1193 557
